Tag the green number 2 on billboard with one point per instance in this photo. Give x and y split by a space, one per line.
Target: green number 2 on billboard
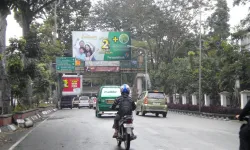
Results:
106 44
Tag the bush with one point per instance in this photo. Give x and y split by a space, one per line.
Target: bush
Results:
205 109
19 108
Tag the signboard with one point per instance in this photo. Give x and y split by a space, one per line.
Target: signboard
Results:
65 63
72 85
102 63
101 46
102 69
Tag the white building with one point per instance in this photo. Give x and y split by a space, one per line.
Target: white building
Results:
245 42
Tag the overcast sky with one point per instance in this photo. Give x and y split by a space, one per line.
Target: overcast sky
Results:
236 14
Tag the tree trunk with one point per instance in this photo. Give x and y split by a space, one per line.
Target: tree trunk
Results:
4 84
26 21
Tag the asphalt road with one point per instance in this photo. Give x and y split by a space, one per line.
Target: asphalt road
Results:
79 129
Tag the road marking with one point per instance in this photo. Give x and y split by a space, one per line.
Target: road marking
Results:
20 140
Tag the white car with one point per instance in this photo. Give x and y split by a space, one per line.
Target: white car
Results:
84 102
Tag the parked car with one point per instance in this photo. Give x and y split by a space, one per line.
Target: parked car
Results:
94 102
84 102
66 101
152 102
76 101
106 97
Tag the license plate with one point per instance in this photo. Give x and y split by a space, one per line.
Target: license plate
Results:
157 104
128 125
109 101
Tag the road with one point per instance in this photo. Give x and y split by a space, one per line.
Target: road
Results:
79 129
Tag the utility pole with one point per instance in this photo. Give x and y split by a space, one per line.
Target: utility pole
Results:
200 61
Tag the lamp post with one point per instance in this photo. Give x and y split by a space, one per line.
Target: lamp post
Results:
146 64
200 59
55 19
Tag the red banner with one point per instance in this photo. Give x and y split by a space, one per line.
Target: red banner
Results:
71 84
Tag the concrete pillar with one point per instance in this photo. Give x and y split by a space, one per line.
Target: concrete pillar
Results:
176 98
184 99
223 98
139 86
244 98
207 100
194 99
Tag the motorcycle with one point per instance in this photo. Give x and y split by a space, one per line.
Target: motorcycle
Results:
125 132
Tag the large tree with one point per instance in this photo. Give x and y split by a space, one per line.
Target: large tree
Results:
71 16
4 84
28 10
218 22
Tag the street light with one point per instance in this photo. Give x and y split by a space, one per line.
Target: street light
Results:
146 64
200 60
55 17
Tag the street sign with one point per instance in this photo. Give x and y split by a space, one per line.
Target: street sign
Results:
68 68
65 63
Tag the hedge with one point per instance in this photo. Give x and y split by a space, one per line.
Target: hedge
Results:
205 109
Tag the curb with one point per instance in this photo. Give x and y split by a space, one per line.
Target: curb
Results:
8 128
222 117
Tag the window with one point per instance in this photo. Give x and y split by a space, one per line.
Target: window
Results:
156 95
110 92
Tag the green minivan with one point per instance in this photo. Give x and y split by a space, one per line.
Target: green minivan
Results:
152 102
105 98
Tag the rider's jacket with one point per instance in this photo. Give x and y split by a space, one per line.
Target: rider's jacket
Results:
245 111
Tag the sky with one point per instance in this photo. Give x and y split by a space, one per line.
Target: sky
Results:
237 13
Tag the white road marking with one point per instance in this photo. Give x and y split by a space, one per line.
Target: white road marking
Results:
20 140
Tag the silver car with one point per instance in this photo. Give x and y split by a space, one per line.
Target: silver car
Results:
84 102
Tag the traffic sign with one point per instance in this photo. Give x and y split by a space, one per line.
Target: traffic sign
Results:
68 68
65 63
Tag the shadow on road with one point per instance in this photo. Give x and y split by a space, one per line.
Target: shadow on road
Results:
121 148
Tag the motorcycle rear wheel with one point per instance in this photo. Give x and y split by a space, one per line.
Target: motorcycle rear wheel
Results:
127 142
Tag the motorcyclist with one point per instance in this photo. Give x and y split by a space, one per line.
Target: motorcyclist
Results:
245 130
125 90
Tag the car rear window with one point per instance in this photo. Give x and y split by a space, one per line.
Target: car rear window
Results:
156 95
76 98
67 98
84 98
110 92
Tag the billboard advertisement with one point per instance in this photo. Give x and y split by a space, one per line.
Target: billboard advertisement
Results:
101 46
102 69
72 85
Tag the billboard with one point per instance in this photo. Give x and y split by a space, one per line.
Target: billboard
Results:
101 46
102 69
72 85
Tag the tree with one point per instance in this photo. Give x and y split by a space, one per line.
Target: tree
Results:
71 16
4 86
28 10
218 22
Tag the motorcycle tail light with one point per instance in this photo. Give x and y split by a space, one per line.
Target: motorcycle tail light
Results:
146 100
129 121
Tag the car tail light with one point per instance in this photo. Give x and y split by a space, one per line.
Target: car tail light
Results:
146 100
129 121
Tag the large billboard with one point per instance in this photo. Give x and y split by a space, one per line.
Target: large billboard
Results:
101 46
72 85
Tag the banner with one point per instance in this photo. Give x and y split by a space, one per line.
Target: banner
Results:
102 63
101 46
71 84
102 69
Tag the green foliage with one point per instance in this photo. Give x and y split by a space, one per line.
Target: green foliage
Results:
19 108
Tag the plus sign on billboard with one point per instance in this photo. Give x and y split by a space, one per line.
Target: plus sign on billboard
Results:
101 46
